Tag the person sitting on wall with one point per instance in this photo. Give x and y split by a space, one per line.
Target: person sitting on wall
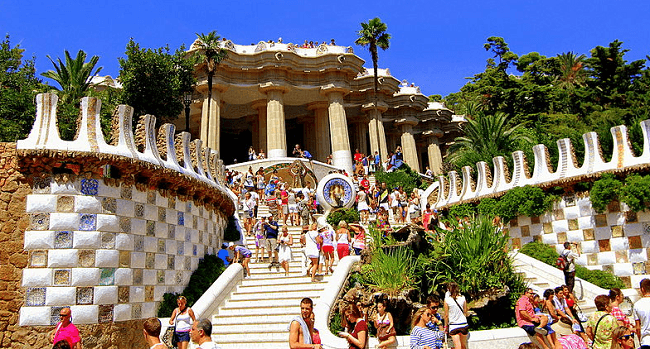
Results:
399 157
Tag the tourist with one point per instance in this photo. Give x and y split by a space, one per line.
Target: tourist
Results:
528 320
382 196
271 231
65 330
570 263
422 336
362 206
456 316
300 327
327 248
249 213
385 326
359 241
284 203
242 255
292 203
260 238
251 153
546 320
201 333
151 331
364 163
642 315
62 344
182 319
436 323
284 253
297 152
357 334
623 338
562 308
343 240
315 334
305 154
601 324
224 254
312 242
616 297
332 43
426 218
303 208
428 172
399 157
414 207
357 156
261 154
364 183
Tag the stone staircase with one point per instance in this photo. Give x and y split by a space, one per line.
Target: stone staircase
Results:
258 312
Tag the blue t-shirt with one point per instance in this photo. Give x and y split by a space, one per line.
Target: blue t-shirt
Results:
271 232
377 159
223 253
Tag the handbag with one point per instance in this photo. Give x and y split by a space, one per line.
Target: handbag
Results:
383 333
169 338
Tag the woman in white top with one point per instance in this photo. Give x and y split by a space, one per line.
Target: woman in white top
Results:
312 242
362 206
183 317
284 253
343 240
456 316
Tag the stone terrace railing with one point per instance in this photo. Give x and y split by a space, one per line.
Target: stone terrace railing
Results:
200 168
455 190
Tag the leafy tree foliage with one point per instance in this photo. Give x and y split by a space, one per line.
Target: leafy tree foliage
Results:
558 97
404 177
604 191
18 87
154 80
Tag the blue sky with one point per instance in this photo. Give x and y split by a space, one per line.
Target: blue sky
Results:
436 44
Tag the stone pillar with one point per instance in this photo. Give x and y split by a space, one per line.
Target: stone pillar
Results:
211 120
322 130
408 145
276 132
310 137
374 114
341 155
260 106
361 136
435 156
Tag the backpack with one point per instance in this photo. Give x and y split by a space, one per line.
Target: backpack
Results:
562 262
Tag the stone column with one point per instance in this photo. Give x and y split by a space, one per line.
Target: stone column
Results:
408 143
341 155
374 114
211 120
361 136
276 132
322 130
260 106
433 150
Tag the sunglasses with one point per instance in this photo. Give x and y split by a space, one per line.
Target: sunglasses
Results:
627 336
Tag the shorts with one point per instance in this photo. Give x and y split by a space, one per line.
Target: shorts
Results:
250 214
328 249
261 243
343 250
271 244
285 209
465 330
183 336
293 208
530 329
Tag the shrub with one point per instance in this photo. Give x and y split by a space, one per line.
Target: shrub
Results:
207 272
604 191
636 192
488 207
349 215
527 200
463 210
548 255
404 177
391 271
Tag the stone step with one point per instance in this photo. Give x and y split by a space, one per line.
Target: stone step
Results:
254 318
232 310
253 328
288 287
271 295
261 280
246 342
255 337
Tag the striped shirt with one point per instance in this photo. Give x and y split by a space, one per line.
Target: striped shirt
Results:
421 336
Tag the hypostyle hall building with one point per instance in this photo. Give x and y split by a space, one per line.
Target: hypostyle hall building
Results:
275 95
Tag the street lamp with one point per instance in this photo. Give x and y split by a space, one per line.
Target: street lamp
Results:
187 101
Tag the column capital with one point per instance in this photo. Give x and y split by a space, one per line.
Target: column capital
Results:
273 86
331 88
203 89
259 104
434 133
407 121
382 107
317 105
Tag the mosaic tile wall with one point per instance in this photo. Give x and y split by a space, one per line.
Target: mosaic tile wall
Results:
110 253
617 240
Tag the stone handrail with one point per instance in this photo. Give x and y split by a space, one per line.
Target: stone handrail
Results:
197 166
454 189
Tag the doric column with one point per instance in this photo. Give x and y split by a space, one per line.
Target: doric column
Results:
309 135
211 119
276 132
360 133
408 142
260 106
341 155
374 114
322 129
433 150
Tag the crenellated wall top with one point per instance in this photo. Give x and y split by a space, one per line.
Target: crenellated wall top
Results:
149 159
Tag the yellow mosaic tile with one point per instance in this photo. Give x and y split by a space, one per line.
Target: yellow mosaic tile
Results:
548 228
592 259
588 234
525 231
601 220
617 231
561 237
621 256
125 259
573 224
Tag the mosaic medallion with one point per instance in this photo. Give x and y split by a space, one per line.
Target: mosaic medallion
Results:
87 258
88 222
151 228
85 295
126 193
38 259
138 243
63 239
338 192
109 205
35 296
136 311
107 277
105 313
40 221
123 294
65 204
139 210
61 277
181 218
89 186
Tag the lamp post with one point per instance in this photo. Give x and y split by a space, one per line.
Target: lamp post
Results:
187 101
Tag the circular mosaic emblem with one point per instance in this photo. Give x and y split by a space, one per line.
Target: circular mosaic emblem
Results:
338 192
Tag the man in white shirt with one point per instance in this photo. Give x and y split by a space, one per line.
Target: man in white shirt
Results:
570 268
642 315
200 334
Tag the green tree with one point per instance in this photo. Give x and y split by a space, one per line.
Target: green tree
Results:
154 80
373 35
74 79
212 54
18 86
572 70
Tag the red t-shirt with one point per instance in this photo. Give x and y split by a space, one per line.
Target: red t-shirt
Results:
524 304
360 326
68 333
285 197
358 157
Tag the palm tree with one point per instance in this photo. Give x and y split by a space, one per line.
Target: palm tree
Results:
486 136
74 76
373 34
572 69
212 54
